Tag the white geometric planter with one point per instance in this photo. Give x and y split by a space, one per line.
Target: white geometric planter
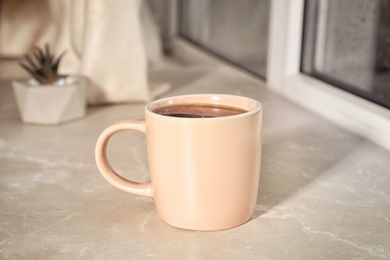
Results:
50 105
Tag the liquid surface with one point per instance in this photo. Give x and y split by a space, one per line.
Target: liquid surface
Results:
199 111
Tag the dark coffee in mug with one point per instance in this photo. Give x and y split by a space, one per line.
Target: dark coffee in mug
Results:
199 111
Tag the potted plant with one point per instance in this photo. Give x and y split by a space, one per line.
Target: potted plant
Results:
47 97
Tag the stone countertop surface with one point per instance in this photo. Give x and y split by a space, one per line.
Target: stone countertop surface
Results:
324 192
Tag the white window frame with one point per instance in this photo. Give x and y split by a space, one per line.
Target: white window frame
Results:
347 110
283 75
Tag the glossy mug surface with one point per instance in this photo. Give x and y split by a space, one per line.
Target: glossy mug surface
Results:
204 166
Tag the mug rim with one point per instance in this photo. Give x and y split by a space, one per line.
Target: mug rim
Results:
154 104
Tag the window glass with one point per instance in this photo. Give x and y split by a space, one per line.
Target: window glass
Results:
234 30
347 44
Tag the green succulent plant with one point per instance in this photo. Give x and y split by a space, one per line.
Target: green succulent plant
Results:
42 65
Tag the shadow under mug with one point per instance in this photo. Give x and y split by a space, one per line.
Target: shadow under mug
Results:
204 172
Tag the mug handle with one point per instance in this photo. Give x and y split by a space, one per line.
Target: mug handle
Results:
143 189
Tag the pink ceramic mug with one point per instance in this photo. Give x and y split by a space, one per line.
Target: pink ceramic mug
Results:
204 172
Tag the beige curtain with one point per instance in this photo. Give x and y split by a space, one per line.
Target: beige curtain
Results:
107 41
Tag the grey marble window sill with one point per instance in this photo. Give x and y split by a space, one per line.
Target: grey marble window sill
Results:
324 192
